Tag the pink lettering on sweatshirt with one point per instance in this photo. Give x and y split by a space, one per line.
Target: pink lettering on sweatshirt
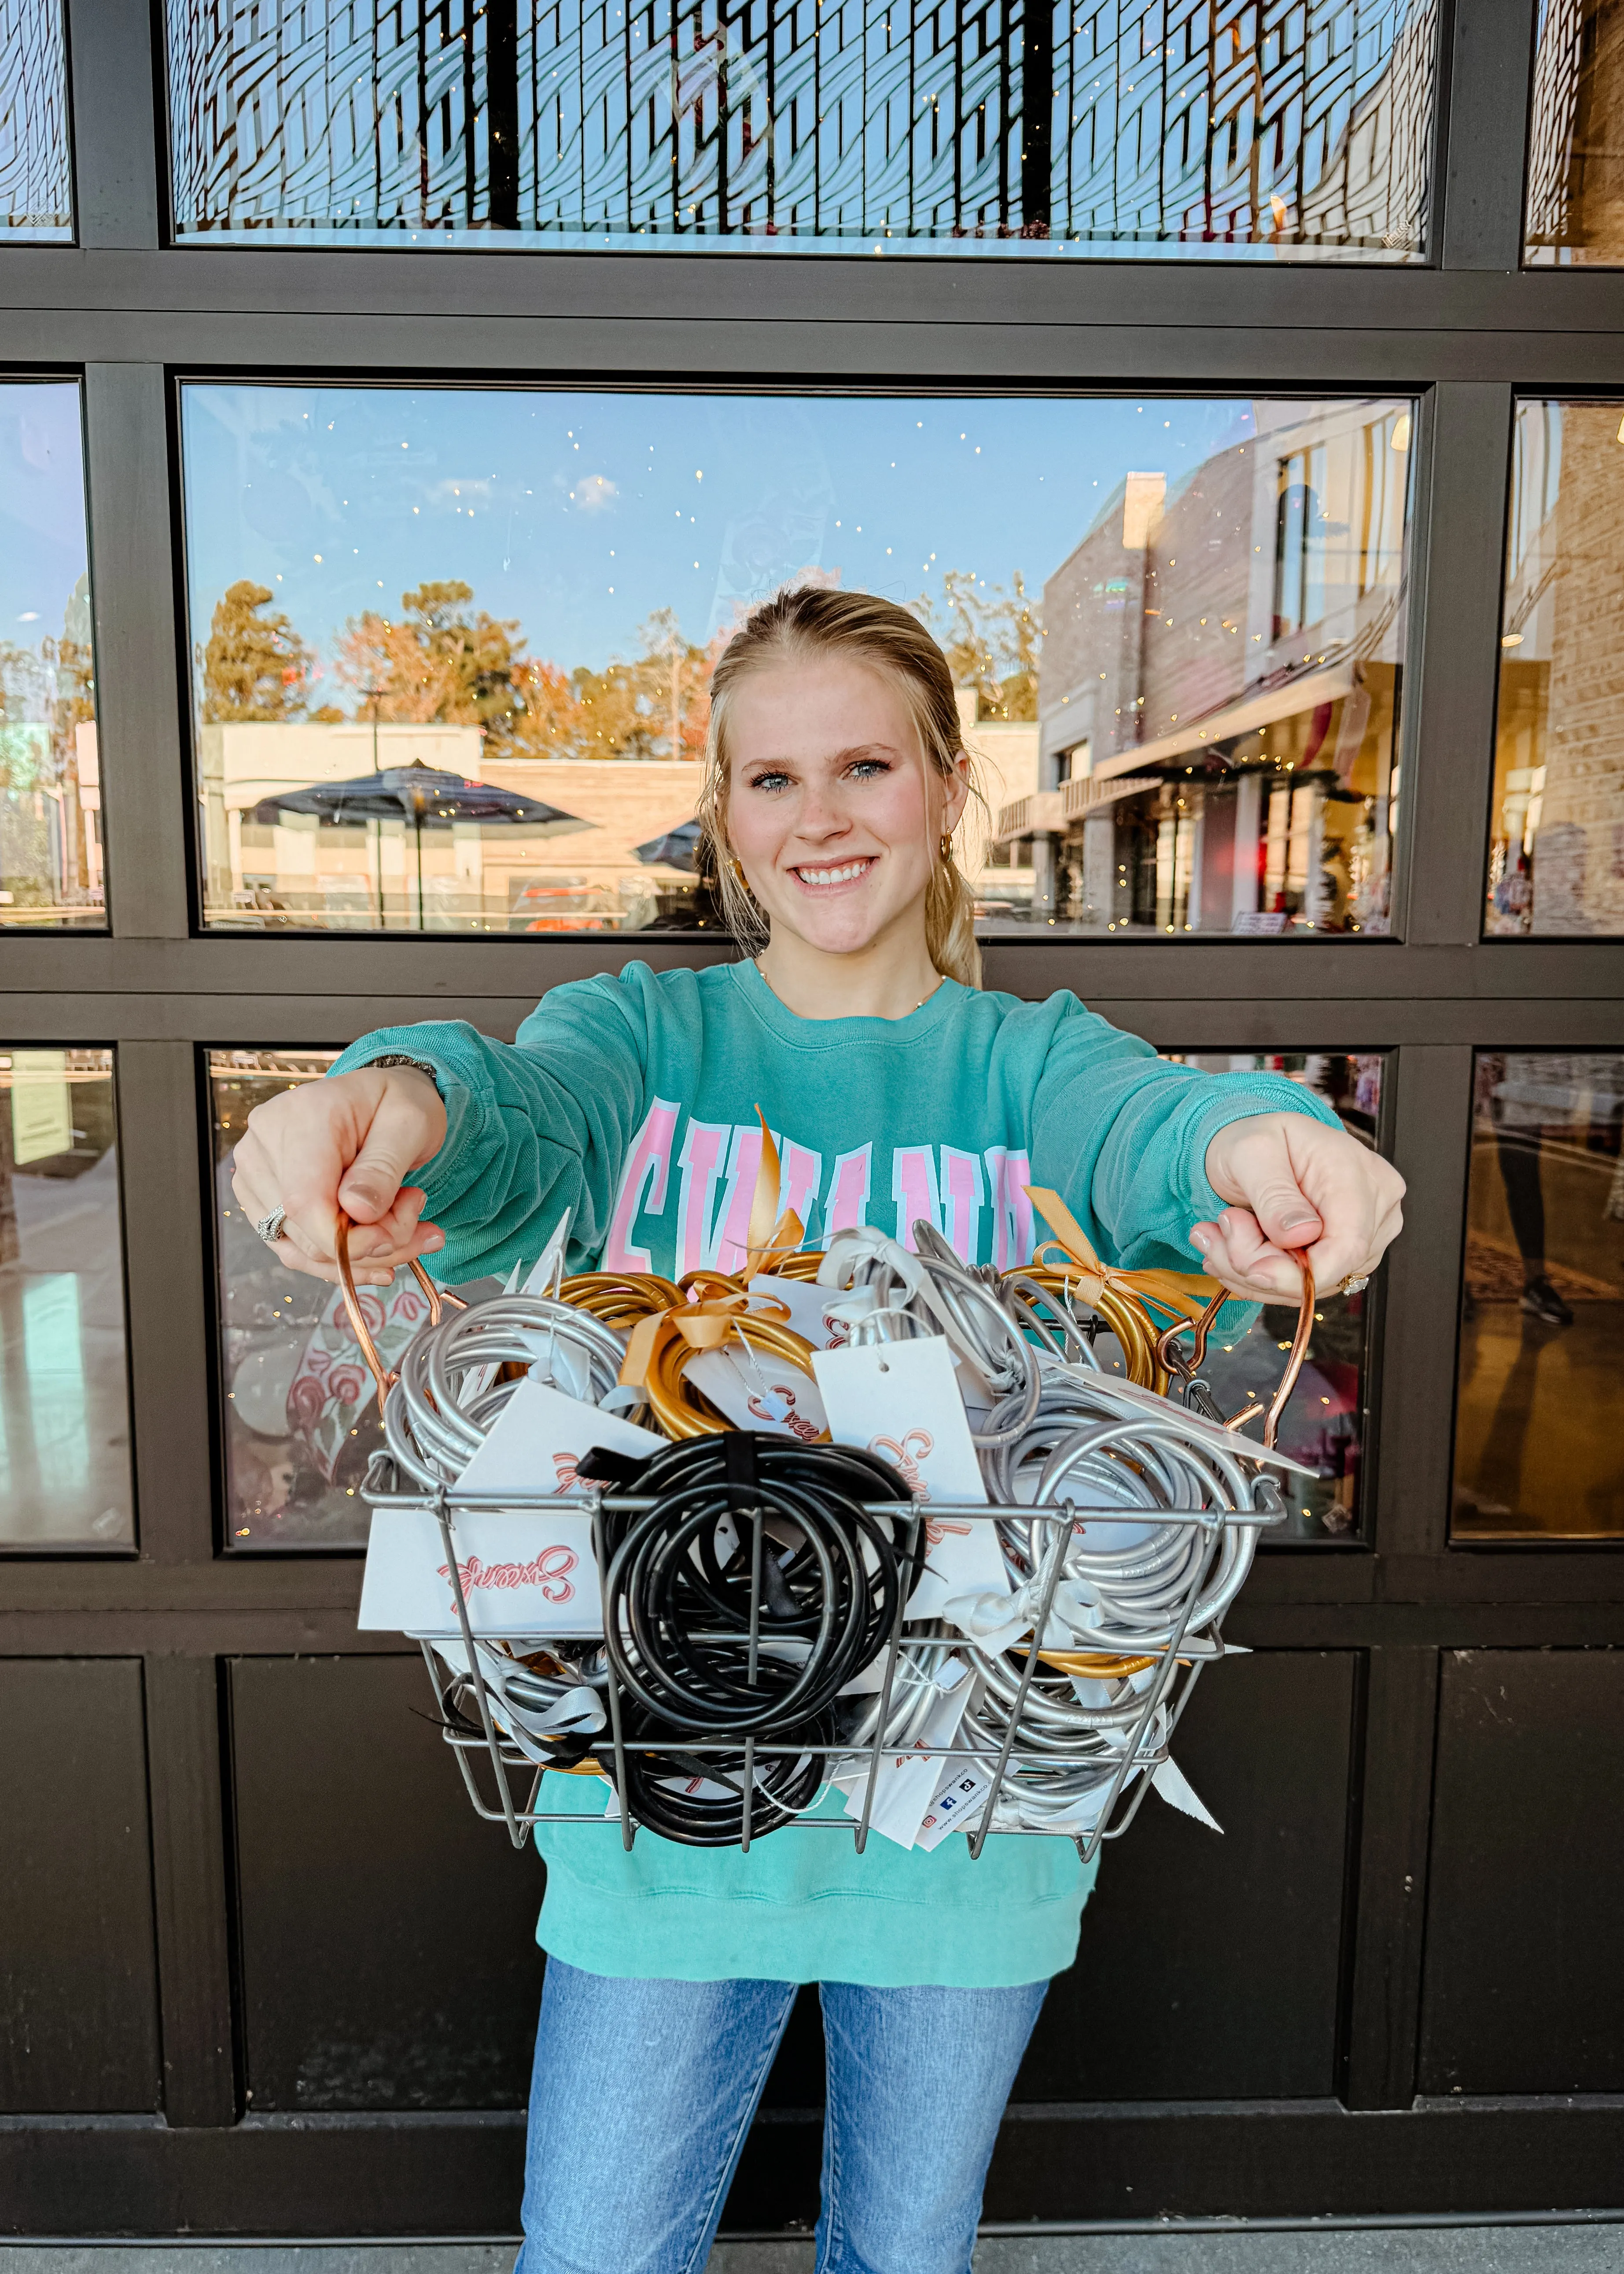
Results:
642 1186
961 1201
914 1188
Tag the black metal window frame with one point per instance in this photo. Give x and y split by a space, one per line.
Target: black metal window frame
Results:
132 315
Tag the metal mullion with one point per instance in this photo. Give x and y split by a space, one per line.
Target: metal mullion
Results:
185 1797
1197 1010
1382 2023
1491 71
139 671
1431 1110
810 348
367 287
1447 736
172 1356
114 78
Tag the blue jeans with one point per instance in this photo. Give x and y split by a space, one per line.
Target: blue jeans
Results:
644 2092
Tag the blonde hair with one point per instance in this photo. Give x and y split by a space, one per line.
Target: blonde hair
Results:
815 621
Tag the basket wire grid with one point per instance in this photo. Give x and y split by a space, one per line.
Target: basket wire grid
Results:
1178 1665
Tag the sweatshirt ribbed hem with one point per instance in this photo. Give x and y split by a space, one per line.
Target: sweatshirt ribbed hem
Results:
671 1935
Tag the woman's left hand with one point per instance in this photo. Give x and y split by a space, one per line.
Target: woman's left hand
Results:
1295 1184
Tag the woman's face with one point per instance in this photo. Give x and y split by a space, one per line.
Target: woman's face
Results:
832 810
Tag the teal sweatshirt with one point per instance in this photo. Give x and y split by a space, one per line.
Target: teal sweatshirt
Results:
631 1101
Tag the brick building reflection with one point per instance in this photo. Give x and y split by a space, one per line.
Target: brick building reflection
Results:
1221 686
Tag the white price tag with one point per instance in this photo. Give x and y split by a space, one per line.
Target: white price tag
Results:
811 1309
901 1401
757 1391
905 1782
959 1799
522 1574
539 1436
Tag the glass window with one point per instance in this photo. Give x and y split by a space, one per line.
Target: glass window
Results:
1326 1421
65 1406
52 865
36 183
1538 1452
1556 853
1575 160
1271 129
301 1414
452 647
302 1417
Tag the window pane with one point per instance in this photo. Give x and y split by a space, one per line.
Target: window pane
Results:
64 1407
301 1417
36 187
1556 856
1180 671
1576 212
51 867
1327 1420
1537 1450
1289 129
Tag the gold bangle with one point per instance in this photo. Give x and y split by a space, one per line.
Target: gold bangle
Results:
681 1409
801 1263
620 1299
1136 1332
1094 1663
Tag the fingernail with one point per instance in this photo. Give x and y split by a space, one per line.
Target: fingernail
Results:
1305 1216
435 1239
1202 1239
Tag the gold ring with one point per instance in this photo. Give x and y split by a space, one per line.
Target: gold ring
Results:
1354 1283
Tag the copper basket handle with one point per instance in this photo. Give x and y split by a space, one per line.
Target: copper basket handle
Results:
1293 1367
1299 1352
384 1376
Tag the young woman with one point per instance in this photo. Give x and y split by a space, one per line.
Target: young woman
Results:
835 780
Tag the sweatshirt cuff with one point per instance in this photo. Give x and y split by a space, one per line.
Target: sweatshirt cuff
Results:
373 1049
1243 1096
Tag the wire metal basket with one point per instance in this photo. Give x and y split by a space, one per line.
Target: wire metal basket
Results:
505 1779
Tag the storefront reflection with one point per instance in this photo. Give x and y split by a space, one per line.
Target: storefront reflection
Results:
301 1421
1556 855
65 1427
1538 1452
1327 1420
1176 628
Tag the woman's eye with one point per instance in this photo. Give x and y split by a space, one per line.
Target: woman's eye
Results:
770 781
869 769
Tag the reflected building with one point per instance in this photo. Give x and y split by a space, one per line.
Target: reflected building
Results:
1220 689
1556 855
1575 157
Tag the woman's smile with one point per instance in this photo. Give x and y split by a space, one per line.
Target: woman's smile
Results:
824 876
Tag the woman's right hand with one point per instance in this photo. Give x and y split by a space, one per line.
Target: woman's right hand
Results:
347 1141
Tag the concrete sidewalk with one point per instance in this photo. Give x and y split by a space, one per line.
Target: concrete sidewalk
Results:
1569 2247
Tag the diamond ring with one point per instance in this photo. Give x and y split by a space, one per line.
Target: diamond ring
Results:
1354 1283
269 1227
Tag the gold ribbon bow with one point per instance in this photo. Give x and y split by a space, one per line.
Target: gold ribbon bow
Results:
661 1344
1124 1300
771 1240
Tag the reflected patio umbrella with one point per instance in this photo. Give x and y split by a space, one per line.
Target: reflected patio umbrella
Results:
428 797
678 848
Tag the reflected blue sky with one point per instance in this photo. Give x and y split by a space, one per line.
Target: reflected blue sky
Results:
580 513
41 508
